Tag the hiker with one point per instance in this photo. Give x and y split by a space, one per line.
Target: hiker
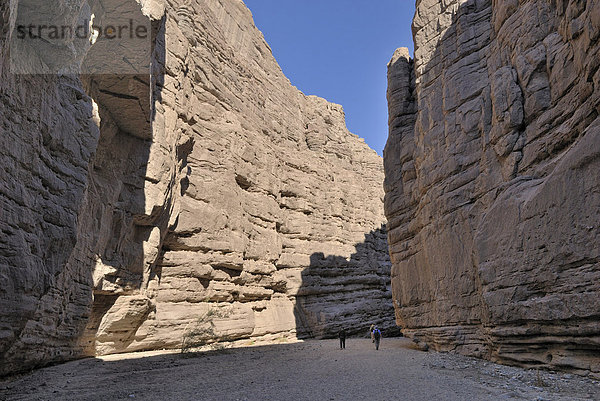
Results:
342 339
376 337
371 333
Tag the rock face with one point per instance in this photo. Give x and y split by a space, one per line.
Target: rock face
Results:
492 181
133 206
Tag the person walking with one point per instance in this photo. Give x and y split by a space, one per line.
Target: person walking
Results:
371 332
342 339
376 337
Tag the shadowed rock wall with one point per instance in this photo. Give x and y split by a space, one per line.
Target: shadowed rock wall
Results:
47 140
132 205
492 181
272 177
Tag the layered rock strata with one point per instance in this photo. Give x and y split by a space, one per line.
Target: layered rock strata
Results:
492 183
133 206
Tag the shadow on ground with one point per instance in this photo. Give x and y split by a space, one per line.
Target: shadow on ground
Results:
350 293
300 371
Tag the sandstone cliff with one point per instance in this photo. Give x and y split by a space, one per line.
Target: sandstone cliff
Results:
131 205
492 181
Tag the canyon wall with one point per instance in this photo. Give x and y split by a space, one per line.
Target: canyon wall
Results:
493 181
133 206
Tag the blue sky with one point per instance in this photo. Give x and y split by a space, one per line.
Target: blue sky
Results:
339 50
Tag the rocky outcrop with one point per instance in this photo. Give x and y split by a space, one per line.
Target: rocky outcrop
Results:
47 140
492 185
133 206
279 212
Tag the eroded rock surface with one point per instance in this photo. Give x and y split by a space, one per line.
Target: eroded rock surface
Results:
131 206
492 181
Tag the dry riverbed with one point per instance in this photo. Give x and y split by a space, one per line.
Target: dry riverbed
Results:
311 370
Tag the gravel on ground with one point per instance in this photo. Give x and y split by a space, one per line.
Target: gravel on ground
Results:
309 370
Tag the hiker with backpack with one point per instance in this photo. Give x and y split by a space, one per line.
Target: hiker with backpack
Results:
376 337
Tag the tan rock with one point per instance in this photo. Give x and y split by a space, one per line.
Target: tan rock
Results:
133 205
491 181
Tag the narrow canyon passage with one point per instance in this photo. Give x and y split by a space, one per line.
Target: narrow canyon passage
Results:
312 370
208 185
135 205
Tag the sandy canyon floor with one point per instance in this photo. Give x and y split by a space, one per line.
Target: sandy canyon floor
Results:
311 370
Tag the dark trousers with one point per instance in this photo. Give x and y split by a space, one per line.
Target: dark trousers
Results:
377 343
342 343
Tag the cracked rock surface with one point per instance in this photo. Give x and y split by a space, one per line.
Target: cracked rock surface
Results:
492 183
133 205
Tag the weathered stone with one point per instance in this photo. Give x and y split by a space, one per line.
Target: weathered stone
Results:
492 185
132 206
